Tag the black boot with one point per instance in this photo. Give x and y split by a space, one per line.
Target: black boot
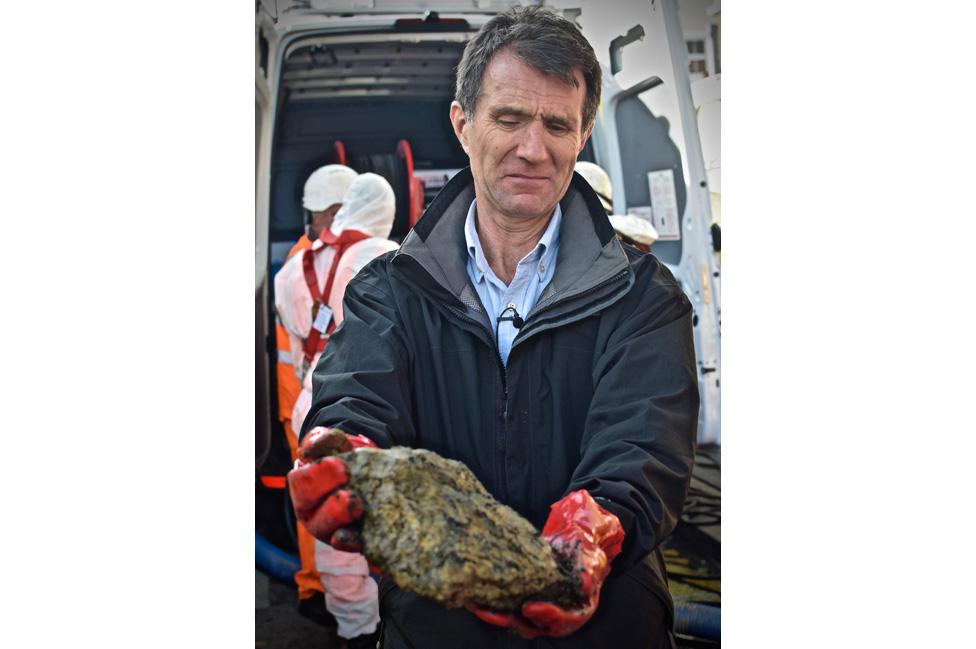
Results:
314 609
367 641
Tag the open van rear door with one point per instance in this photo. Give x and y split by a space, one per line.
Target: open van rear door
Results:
647 139
263 123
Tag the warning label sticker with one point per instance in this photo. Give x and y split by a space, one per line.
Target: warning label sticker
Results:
664 203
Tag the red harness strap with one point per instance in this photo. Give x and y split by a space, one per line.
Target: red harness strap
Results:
315 341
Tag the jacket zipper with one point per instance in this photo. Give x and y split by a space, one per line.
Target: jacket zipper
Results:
501 433
503 407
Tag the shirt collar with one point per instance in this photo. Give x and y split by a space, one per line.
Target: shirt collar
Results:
540 253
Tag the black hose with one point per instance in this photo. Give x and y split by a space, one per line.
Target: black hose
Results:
391 167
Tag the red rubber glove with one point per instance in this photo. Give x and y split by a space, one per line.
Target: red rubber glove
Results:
590 536
315 484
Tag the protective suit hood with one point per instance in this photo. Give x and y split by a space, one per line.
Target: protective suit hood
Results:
599 181
638 229
368 206
326 186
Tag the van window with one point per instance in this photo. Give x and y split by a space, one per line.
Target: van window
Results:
646 147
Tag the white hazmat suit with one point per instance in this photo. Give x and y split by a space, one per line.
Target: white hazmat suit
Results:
369 207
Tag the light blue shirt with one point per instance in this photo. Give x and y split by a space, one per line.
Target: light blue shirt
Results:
532 275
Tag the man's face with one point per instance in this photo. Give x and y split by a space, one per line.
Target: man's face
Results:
523 138
322 220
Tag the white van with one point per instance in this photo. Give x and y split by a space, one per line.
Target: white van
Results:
369 83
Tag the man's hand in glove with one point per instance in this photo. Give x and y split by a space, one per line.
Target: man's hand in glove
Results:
590 537
316 484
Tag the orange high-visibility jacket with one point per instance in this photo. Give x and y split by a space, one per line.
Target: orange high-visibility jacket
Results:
288 384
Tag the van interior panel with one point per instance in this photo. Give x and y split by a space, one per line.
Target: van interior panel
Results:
369 96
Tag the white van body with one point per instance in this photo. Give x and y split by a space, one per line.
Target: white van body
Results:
347 71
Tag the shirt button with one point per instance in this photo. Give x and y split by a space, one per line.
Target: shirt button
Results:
542 268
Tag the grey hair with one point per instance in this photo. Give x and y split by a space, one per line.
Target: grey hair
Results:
539 38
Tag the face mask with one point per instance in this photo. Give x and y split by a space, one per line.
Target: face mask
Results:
309 232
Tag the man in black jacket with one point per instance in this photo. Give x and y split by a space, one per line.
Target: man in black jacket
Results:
514 333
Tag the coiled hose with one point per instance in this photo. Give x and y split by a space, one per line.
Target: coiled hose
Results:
274 561
698 620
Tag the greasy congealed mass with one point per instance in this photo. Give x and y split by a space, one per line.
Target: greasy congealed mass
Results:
431 525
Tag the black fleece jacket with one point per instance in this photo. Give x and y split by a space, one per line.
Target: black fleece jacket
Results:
600 393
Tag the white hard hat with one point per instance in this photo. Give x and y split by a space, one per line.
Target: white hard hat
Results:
599 181
326 186
634 227
368 206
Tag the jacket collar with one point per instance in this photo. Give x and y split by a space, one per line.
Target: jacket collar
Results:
589 253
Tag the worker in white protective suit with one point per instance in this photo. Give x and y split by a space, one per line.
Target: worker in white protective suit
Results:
310 312
630 228
321 200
